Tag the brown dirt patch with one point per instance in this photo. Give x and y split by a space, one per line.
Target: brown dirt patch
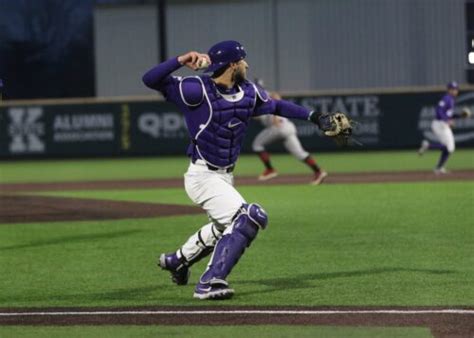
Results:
15 208
21 209
441 324
335 178
365 177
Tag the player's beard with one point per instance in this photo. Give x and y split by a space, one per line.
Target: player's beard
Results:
238 76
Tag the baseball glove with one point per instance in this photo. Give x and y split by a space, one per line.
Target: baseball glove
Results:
466 112
335 125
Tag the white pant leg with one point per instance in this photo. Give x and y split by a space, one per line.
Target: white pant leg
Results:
293 144
214 192
265 137
200 243
444 134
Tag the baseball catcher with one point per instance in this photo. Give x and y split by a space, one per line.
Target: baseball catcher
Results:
218 108
335 125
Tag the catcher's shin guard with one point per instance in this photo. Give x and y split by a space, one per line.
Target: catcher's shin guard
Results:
229 249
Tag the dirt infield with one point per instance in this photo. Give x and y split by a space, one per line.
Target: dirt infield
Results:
336 178
21 209
442 322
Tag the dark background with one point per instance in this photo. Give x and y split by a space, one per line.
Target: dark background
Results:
46 48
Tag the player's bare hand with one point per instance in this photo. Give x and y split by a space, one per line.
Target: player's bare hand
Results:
194 60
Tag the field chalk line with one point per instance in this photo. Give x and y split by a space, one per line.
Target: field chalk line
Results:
234 312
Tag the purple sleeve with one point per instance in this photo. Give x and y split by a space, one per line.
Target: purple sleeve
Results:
282 108
444 106
291 110
159 78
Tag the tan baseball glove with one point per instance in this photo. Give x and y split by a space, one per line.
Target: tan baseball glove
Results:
466 112
335 125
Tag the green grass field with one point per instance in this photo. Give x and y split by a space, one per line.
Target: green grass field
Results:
403 244
206 331
111 169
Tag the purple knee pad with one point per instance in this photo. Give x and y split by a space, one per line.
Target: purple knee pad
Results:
231 246
257 215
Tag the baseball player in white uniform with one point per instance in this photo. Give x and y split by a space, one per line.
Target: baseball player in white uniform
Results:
278 128
441 127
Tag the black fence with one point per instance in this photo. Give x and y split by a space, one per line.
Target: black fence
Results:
385 121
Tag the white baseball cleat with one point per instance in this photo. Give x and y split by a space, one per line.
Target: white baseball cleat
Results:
425 145
440 171
268 174
319 178
216 289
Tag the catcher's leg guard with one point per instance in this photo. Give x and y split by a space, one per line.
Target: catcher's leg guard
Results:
212 285
198 246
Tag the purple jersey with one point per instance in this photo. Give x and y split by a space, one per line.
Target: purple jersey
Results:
445 108
217 118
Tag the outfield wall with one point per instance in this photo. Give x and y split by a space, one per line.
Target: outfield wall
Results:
387 119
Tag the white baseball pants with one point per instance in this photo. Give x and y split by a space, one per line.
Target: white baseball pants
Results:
444 134
214 191
285 132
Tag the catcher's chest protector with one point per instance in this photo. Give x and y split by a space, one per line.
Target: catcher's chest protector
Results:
219 139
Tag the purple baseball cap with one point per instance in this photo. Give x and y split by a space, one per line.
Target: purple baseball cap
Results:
452 85
223 53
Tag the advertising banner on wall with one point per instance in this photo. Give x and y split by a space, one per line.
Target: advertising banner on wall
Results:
387 121
383 121
59 130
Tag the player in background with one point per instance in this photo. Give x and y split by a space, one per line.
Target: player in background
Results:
441 127
278 128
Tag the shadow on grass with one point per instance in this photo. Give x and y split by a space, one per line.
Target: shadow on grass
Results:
306 281
70 239
168 292
139 295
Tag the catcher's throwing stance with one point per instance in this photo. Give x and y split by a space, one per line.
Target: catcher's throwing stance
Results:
217 110
441 127
280 128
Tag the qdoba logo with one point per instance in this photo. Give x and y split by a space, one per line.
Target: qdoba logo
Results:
166 125
25 130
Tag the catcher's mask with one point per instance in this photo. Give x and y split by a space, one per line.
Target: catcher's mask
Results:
223 53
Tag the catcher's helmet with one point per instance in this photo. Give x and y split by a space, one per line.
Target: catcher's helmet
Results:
223 53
